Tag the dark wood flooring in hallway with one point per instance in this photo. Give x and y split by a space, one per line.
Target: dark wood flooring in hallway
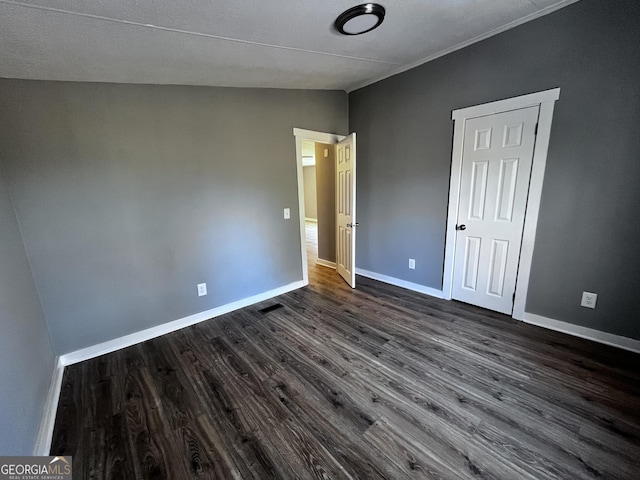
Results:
377 382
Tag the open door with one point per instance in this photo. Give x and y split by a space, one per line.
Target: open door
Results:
346 209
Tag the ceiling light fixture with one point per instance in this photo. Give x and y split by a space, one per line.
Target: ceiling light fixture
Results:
360 19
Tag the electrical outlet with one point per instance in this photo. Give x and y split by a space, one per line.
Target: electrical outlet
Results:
589 299
412 263
202 289
287 213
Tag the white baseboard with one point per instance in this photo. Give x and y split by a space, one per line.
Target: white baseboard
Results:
400 283
153 332
583 332
325 263
312 220
45 435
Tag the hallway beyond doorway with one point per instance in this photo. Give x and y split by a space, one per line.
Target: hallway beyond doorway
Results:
311 235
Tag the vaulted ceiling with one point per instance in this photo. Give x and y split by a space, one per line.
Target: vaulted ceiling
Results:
241 43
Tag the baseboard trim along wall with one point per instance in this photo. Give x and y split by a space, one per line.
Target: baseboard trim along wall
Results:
531 318
143 335
400 283
583 332
325 263
45 435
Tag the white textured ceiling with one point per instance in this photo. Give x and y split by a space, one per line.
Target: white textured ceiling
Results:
241 43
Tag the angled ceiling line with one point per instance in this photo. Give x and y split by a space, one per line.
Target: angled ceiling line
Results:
478 38
192 33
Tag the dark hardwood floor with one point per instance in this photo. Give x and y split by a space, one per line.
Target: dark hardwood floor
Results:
377 382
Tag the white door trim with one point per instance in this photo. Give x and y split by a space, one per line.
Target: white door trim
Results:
546 101
312 136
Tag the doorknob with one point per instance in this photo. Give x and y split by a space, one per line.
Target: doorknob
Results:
350 225
461 227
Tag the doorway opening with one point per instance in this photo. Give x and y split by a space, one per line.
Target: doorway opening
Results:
316 169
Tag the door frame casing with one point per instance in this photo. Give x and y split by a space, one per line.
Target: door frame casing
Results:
546 102
313 136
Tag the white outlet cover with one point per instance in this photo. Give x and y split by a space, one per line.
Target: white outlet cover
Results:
326 153
412 263
287 213
202 289
589 300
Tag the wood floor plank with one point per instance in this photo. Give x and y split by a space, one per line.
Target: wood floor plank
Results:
303 455
117 463
68 429
152 442
377 382
96 425
534 397
235 455
530 419
326 425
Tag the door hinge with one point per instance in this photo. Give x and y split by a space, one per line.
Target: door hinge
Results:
536 130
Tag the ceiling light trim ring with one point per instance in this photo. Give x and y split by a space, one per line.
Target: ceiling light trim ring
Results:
352 13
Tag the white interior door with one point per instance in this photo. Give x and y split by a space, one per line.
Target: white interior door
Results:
496 169
346 208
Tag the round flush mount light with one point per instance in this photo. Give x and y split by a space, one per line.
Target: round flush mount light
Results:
360 19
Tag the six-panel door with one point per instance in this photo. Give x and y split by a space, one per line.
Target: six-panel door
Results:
496 169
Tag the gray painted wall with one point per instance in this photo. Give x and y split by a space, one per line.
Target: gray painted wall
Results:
26 355
130 195
310 197
326 187
587 236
